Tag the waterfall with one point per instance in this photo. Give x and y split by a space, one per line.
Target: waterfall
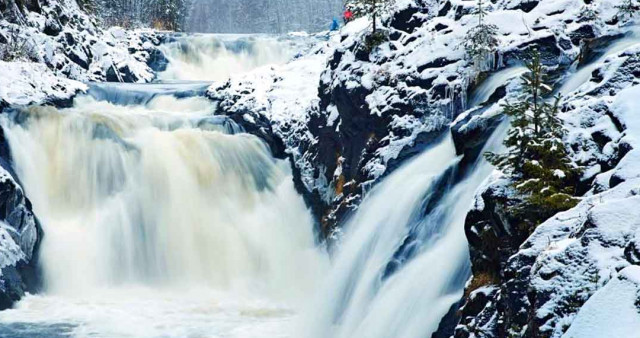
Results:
162 200
584 74
403 261
215 57
163 220
483 93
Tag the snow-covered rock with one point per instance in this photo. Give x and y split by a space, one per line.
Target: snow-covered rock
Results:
20 237
552 283
375 108
379 106
60 35
24 83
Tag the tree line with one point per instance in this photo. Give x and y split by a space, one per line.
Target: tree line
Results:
157 14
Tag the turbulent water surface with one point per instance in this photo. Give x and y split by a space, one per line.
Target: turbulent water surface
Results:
159 220
164 221
216 57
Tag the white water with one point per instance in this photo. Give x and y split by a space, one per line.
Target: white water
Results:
210 57
162 221
157 228
490 85
582 75
357 300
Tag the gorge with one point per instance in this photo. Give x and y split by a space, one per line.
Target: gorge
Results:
161 184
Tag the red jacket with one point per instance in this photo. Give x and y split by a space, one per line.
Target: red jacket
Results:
348 15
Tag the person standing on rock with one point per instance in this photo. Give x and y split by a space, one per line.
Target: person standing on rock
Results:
335 25
348 16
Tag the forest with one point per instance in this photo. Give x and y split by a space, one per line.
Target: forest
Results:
232 16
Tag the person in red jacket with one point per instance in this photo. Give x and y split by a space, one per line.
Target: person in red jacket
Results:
348 16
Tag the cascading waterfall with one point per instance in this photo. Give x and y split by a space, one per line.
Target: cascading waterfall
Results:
149 198
582 75
163 220
483 93
402 264
216 57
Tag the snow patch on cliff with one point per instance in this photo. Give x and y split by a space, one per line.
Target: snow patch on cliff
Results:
24 83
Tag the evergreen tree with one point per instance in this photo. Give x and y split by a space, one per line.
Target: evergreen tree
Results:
628 8
537 160
374 8
481 41
588 12
160 14
167 14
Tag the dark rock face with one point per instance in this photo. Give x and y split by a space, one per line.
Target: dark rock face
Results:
533 286
469 135
157 61
353 134
24 275
72 44
261 128
406 20
20 235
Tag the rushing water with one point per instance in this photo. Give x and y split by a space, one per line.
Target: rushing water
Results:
216 57
162 220
404 260
584 74
145 206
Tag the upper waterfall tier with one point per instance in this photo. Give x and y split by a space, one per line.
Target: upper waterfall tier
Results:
210 57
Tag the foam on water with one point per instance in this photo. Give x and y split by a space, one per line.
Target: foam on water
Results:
210 57
401 264
156 226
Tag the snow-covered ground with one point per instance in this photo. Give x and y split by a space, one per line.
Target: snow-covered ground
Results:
571 276
23 83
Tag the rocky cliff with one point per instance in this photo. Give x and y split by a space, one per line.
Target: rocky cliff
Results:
376 106
349 111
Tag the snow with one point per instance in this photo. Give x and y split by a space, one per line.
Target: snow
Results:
10 252
284 94
576 271
583 249
612 311
580 255
23 83
17 241
81 50
628 106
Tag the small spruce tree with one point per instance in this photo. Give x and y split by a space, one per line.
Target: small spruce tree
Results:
536 160
588 13
481 41
374 8
628 8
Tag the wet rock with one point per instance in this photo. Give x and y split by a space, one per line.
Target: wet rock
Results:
52 27
157 60
20 235
472 132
